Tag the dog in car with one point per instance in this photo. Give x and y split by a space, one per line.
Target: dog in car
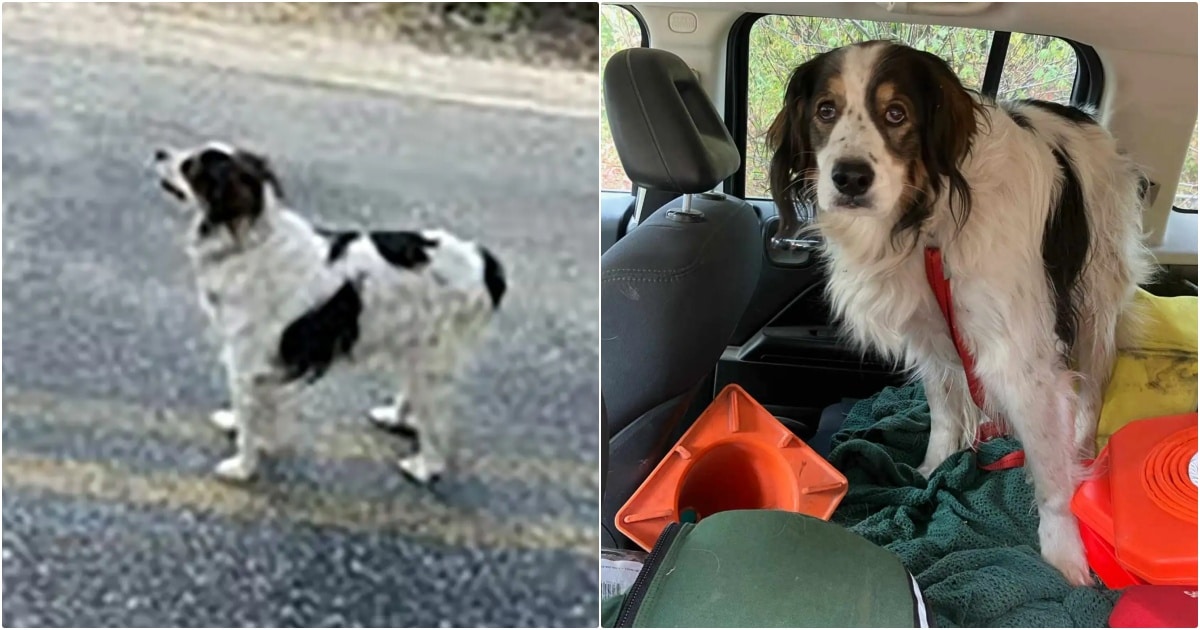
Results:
1036 215
290 301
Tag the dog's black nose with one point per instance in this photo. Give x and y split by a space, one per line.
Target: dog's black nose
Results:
161 155
852 177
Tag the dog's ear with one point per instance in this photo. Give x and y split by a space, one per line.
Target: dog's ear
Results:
949 116
949 112
230 189
792 155
260 168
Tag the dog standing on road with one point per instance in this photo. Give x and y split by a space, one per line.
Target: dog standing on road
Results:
1038 218
290 301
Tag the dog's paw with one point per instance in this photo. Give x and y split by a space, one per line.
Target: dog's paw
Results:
1063 549
934 457
236 469
931 464
393 418
224 419
422 468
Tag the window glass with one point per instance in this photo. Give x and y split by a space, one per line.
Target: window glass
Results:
1185 193
619 29
1038 66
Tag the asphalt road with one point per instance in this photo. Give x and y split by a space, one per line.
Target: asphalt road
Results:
110 514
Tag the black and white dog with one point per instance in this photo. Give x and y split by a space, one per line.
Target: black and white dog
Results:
290 301
1037 216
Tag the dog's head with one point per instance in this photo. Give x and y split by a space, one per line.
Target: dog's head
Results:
230 187
871 129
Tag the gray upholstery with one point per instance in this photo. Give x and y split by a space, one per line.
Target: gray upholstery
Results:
832 418
674 287
668 134
671 295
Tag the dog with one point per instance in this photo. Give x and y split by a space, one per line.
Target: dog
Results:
881 151
290 301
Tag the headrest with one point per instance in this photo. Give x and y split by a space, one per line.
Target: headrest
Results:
666 130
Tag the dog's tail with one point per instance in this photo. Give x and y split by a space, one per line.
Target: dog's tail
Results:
493 276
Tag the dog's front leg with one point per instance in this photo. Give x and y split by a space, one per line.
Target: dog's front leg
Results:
952 415
436 437
224 419
1041 406
253 415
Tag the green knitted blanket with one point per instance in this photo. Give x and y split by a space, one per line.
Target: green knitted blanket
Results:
969 536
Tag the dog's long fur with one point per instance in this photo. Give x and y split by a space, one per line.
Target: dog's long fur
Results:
1038 217
290 301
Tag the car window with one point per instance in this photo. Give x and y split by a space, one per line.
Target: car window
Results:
1185 192
619 29
1038 66
1034 67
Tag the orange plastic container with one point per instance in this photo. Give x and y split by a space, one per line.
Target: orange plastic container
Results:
736 456
1092 505
1154 499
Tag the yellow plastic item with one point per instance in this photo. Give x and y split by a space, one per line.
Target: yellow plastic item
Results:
1158 376
736 456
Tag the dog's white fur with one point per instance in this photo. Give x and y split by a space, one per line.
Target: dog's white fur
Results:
1002 300
415 324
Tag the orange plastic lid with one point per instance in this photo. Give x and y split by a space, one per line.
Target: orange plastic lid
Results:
1091 503
736 456
1154 498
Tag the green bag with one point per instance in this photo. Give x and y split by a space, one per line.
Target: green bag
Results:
767 568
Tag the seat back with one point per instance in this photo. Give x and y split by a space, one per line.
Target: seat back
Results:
675 286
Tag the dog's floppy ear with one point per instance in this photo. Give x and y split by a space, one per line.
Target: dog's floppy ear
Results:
260 168
948 114
230 189
792 154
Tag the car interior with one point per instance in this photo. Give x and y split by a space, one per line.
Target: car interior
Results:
697 295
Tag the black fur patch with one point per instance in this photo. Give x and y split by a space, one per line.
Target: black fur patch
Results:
403 249
339 242
1073 114
311 343
1021 119
1065 249
493 277
230 187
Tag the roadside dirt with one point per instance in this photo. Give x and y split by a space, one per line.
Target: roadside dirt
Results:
332 56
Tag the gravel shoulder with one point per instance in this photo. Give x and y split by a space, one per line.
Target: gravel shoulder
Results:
161 32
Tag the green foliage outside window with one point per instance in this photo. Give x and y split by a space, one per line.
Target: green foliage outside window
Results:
619 30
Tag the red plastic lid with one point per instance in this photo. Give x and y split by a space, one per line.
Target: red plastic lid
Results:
1102 558
1093 508
1155 607
1154 500
1092 504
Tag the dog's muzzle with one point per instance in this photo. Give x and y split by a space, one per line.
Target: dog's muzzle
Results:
161 156
172 189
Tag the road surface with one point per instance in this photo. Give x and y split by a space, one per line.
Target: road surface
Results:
110 513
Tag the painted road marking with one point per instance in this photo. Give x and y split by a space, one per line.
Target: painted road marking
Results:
323 440
423 519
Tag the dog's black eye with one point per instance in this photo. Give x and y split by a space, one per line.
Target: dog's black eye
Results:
894 115
188 167
826 111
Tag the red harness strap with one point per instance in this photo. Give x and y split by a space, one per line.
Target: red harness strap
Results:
939 282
